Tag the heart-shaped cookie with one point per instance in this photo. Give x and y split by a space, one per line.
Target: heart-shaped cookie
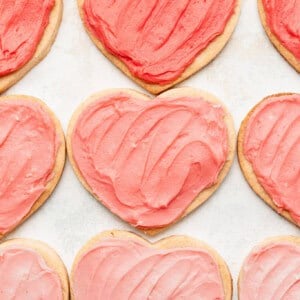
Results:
151 162
160 43
268 149
122 265
271 271
32 155
280 19
27 30
30 269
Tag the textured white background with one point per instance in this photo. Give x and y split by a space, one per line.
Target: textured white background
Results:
234 219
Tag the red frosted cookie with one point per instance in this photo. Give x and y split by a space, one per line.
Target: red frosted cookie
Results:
151 162
271 271
160 43
280 19
31 270
27 30
121 265
269 147
32 156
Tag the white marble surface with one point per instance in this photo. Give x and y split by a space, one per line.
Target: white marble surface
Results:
234 219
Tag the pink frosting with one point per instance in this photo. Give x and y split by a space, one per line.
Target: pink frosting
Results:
148 160
283 20
22 25
272 146
126 269
271 272
24 275
28 147
157 39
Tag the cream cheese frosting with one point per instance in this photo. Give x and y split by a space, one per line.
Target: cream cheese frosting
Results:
157 39
272 146
271 272
24 275
148 160
282 17
28 146
127 269
22 25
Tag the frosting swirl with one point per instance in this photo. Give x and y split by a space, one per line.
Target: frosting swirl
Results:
272 146
126 269
157 39
28 147
22 25
271 272
148 160
282 18
25 275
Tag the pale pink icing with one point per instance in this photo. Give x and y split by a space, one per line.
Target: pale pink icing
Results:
272 146
22 25
271 272
157 39
28 147
126 269
24 275
148 160
283 20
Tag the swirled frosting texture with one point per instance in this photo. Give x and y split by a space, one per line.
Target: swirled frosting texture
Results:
272 272
157 39
282 18
24 275
148 160
28 147
22 25
272 146
126 269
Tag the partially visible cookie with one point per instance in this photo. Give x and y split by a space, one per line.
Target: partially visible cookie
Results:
151 162
26 40
32 156
30 269
159 44
268 151
122 265
271 271
280 19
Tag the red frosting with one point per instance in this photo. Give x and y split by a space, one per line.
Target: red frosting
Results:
148 160
126 269
28 147
22 25
271 272
283 20
157 39
24 275
272 146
